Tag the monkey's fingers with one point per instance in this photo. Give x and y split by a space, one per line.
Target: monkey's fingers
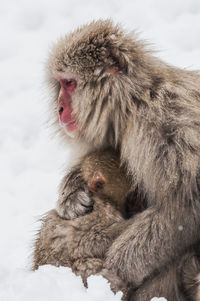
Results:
76 204
116 284
84 279
86 267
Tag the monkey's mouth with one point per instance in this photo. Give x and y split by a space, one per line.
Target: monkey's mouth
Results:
72 126
67 121
69 127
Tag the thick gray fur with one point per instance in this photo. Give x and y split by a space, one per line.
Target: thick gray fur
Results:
130 100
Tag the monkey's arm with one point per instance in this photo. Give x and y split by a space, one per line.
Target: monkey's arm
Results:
74 199
151 240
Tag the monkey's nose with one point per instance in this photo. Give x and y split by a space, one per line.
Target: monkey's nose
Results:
61 109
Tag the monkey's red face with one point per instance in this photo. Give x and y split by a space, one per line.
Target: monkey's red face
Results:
67 89
91 67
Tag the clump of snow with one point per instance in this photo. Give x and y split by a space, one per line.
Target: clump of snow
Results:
31 162
180 227
112 36
97 71
158 299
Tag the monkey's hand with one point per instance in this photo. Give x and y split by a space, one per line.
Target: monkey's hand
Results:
86 267
74 196
116 283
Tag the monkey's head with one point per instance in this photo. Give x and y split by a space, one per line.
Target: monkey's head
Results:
90 72
106 177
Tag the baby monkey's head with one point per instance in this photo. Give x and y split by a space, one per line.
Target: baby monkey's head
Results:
106 178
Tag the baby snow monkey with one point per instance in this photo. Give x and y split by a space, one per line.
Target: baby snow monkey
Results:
82 243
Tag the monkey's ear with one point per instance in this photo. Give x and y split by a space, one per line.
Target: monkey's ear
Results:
119 61
97 182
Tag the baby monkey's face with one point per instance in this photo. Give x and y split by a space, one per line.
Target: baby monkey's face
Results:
107 189
106 178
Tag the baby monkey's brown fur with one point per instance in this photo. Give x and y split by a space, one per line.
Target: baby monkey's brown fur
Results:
82 243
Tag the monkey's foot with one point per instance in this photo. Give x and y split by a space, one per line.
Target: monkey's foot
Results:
75 204
116 284
86 267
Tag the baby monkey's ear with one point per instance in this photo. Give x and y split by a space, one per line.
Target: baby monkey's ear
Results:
97 182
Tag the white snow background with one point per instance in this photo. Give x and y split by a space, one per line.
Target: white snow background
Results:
31 162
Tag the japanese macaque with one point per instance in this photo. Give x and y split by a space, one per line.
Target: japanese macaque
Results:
109 90
82 243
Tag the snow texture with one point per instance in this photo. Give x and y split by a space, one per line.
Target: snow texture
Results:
31 163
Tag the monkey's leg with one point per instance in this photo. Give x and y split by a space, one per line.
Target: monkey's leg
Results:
165 284
179 281
74 197
149 241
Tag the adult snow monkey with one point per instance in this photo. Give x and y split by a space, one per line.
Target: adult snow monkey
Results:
109 90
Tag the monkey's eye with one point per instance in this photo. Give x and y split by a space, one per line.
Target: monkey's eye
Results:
69 85
68 82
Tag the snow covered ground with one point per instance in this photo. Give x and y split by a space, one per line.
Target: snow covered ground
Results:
30 160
